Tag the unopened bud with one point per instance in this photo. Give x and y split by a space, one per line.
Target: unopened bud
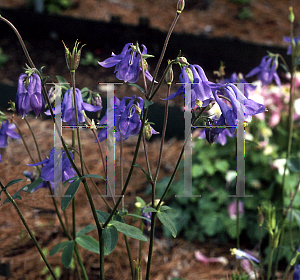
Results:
182 60
260 216
73 58
148 131
291 15
145 64
169 76
96 100
180 6
138 110
138 204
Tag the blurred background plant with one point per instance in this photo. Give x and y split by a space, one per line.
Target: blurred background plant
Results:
3 58
50 6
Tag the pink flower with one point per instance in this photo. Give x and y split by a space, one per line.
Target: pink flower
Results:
202 258
232 209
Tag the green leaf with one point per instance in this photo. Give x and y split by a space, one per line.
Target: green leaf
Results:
93 176
294 164
85 230
167 222
165 208
13 182
148 103
58 247
102 216
61 80
69 194
149 209
135 85
88 242
67 254
147 174
27 188
129 230
111 237
138 216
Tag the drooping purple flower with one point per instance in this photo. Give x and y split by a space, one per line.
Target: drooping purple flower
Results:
266 71
234 79
296 272
296 43
147 215
29 98
127 64
68 110
239 104
7 130
32 176
127 121
200 90
47 171
216 134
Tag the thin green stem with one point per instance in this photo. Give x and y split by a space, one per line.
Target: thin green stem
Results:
131 169
129 255
149 94
29 231
151 243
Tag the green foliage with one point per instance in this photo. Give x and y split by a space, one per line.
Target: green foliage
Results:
3 58
89 60
207 216
245 13
54 6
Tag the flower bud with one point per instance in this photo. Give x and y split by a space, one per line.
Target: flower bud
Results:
145 64
291 15
138 110
169 76
182 60
260 216
180 6
96 100
148 131
73 58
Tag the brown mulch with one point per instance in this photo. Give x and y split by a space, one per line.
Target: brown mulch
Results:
172 258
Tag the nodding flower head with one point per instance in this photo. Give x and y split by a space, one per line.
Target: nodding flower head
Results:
266 71
29 95
128 66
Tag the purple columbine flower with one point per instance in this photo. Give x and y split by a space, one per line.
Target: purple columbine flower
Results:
127 121
266 71
239 254
200 90
47 171
147 215
32 176
68 110
7 130
296 43
127 64
234 78
29 97
237 100
296 272
216 134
